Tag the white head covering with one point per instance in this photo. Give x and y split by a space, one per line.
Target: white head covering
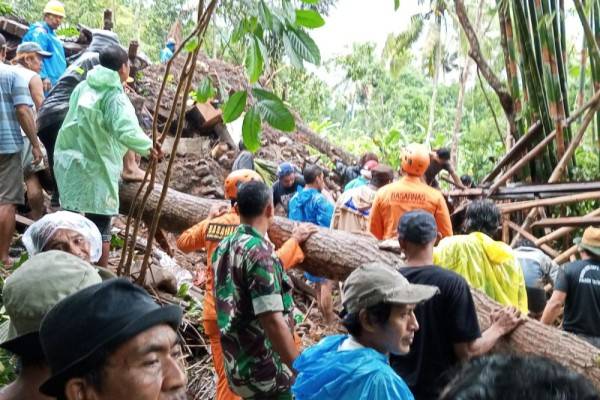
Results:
37 236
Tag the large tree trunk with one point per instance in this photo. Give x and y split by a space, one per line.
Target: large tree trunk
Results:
334 254
321 143
437 59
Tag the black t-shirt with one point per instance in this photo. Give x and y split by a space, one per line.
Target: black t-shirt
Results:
580 280
283 195
447 318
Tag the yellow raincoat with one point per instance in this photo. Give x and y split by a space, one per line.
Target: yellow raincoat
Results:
487 265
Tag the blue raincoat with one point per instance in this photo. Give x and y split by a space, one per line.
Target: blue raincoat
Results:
326 373
309 205
167 53
356 182
52 67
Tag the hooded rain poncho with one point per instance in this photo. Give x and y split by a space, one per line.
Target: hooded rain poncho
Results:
327 373
487 265
99 128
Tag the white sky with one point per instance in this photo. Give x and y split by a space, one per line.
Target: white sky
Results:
359 21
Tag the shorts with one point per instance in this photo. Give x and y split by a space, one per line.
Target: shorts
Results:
104 224
314 279
27 159
11 179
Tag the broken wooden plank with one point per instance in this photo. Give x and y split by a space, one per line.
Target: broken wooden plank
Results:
566 222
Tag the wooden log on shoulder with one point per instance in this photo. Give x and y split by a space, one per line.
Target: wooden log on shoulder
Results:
334 254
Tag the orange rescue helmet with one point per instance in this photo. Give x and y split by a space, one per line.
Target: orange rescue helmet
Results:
236 178
415 159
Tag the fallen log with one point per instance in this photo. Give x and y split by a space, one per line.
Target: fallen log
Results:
334 254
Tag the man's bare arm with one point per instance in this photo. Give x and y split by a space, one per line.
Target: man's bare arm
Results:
278 332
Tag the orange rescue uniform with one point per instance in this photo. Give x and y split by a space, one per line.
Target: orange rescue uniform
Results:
409 193
207 235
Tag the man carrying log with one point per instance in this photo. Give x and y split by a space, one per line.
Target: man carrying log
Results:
207 235
254 303
578 289
99 128
409 193
310 205
449 328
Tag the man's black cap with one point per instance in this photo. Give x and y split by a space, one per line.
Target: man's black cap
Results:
85 325
418 227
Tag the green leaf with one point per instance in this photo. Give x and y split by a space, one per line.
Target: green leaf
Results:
251 129
205 91
295 59
276 114
262 94
254 60
309 18
396 5
234 106
191 45
310 1
266 18
303 45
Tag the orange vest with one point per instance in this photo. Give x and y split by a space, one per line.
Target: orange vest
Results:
409 193
207 235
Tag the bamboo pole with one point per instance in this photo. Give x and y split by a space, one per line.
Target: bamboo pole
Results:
523 205
594 101
547 249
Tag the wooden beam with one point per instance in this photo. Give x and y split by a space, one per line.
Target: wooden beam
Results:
547 249
565 256
523 205
564 231
566 221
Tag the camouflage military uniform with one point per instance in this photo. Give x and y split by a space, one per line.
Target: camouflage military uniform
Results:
249 281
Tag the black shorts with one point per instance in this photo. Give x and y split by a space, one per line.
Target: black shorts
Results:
104 224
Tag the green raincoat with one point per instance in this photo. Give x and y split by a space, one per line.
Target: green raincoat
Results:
99 128
486 265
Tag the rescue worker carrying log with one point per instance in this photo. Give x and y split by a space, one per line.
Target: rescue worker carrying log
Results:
407 194
207 234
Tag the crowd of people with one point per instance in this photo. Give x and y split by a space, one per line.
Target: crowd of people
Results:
411 331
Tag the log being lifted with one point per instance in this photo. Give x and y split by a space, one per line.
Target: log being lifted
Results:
334 254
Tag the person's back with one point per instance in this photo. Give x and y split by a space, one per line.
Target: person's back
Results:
99 128
487 265
309 205
409 193
581 281
446 319
352 209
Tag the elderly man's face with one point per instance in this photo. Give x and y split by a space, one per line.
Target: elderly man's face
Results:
147 367
70 241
